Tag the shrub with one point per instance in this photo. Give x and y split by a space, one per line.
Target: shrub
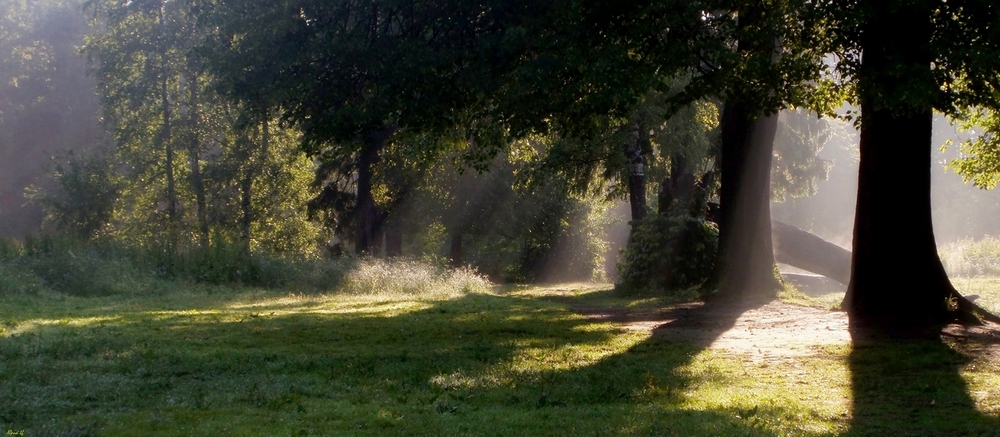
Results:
668 253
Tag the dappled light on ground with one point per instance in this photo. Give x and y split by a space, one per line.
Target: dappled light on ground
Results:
558 359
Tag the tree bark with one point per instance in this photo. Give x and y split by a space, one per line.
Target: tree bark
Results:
246 195
164 138
636 173
366 214
897 279
194 158
746 259
806 251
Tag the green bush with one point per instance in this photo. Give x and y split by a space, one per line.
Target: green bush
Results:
668 254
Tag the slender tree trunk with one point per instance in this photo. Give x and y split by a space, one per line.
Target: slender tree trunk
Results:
194 157
455 250
167 144
897 280
255 159
246 195
366 215
636 174
746 261
679 187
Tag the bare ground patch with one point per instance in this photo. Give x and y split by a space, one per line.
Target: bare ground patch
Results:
771 332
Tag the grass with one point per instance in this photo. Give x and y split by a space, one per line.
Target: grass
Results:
92 344
212 360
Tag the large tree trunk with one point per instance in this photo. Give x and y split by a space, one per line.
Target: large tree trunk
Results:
897 279
746 260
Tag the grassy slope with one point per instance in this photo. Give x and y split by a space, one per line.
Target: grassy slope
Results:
217 361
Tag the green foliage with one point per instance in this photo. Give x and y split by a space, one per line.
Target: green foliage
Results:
797 168
668 254
66 266
189 173
512 227
85 189
979 159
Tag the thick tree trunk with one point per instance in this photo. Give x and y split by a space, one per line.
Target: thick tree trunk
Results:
897 279
746 260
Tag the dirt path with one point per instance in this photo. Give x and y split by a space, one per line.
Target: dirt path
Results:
773 332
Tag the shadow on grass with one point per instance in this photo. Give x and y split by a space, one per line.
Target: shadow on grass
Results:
479 364
912 387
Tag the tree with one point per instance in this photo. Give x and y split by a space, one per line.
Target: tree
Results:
352 75
942 58
772 67
185 153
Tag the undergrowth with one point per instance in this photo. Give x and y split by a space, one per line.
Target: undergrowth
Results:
61 265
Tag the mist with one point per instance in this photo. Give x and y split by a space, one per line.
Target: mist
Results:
48 104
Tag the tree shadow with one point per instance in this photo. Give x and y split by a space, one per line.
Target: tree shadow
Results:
436 363
914 386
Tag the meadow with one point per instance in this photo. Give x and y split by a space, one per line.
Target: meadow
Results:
410 348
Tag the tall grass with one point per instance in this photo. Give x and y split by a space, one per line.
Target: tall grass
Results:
62 265
411 277
971 258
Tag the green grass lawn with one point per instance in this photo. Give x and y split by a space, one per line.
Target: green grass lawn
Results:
220 361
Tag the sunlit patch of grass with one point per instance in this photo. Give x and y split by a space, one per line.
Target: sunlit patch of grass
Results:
987 287
411 277
829 301
983 377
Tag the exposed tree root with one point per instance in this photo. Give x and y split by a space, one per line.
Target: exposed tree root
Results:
969 313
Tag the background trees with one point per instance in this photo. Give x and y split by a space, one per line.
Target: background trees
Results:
210 109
